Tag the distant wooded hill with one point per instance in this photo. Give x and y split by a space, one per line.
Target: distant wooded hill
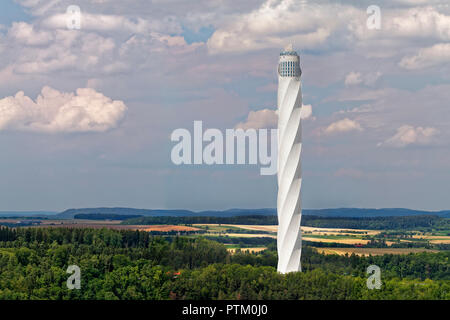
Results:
340 212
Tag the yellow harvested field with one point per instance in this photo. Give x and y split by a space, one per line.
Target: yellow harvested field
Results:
433 239
269 228
422 236
258 227
166 228
371 251
250 235
345 241
258 249
440 241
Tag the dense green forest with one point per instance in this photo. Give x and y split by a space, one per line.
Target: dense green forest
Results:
422 222
135 265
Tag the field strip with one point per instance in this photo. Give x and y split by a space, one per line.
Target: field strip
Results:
257 249
246 235
431 237
344 241
166 228
445 241
274 228
371 251
148 228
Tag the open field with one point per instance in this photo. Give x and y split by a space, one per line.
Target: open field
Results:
429 237
433 239
343 241
219 228
315 234
343 236
166 228
371 251
249 235
323 231
446 241
254 250
340 231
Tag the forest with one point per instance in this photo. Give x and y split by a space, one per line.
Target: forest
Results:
120 264
418 222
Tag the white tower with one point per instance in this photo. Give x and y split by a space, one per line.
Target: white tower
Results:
289 209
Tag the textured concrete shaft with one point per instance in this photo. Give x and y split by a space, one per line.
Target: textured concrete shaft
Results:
289 162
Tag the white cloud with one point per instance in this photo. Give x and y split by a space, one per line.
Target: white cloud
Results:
417 22
371 78
353 78
25 33
428 57
343 125
63 50
55 111
307 112
409 135
117 23
421 21
260 119
276 23
45 51
267 118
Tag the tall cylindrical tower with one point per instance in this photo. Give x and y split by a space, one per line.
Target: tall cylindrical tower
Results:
289 210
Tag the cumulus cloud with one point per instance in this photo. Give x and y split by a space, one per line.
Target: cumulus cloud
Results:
428 57
343 125
307 112
355 78
260 119
417 22
25 33
43 52
421 21
409 135
53 111
276 23
117 23
268 118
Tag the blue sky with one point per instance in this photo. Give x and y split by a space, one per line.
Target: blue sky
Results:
86 114
11 11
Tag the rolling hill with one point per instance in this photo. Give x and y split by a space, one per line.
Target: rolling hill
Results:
340 212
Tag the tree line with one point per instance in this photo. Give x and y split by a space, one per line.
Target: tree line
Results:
376 223
119 264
